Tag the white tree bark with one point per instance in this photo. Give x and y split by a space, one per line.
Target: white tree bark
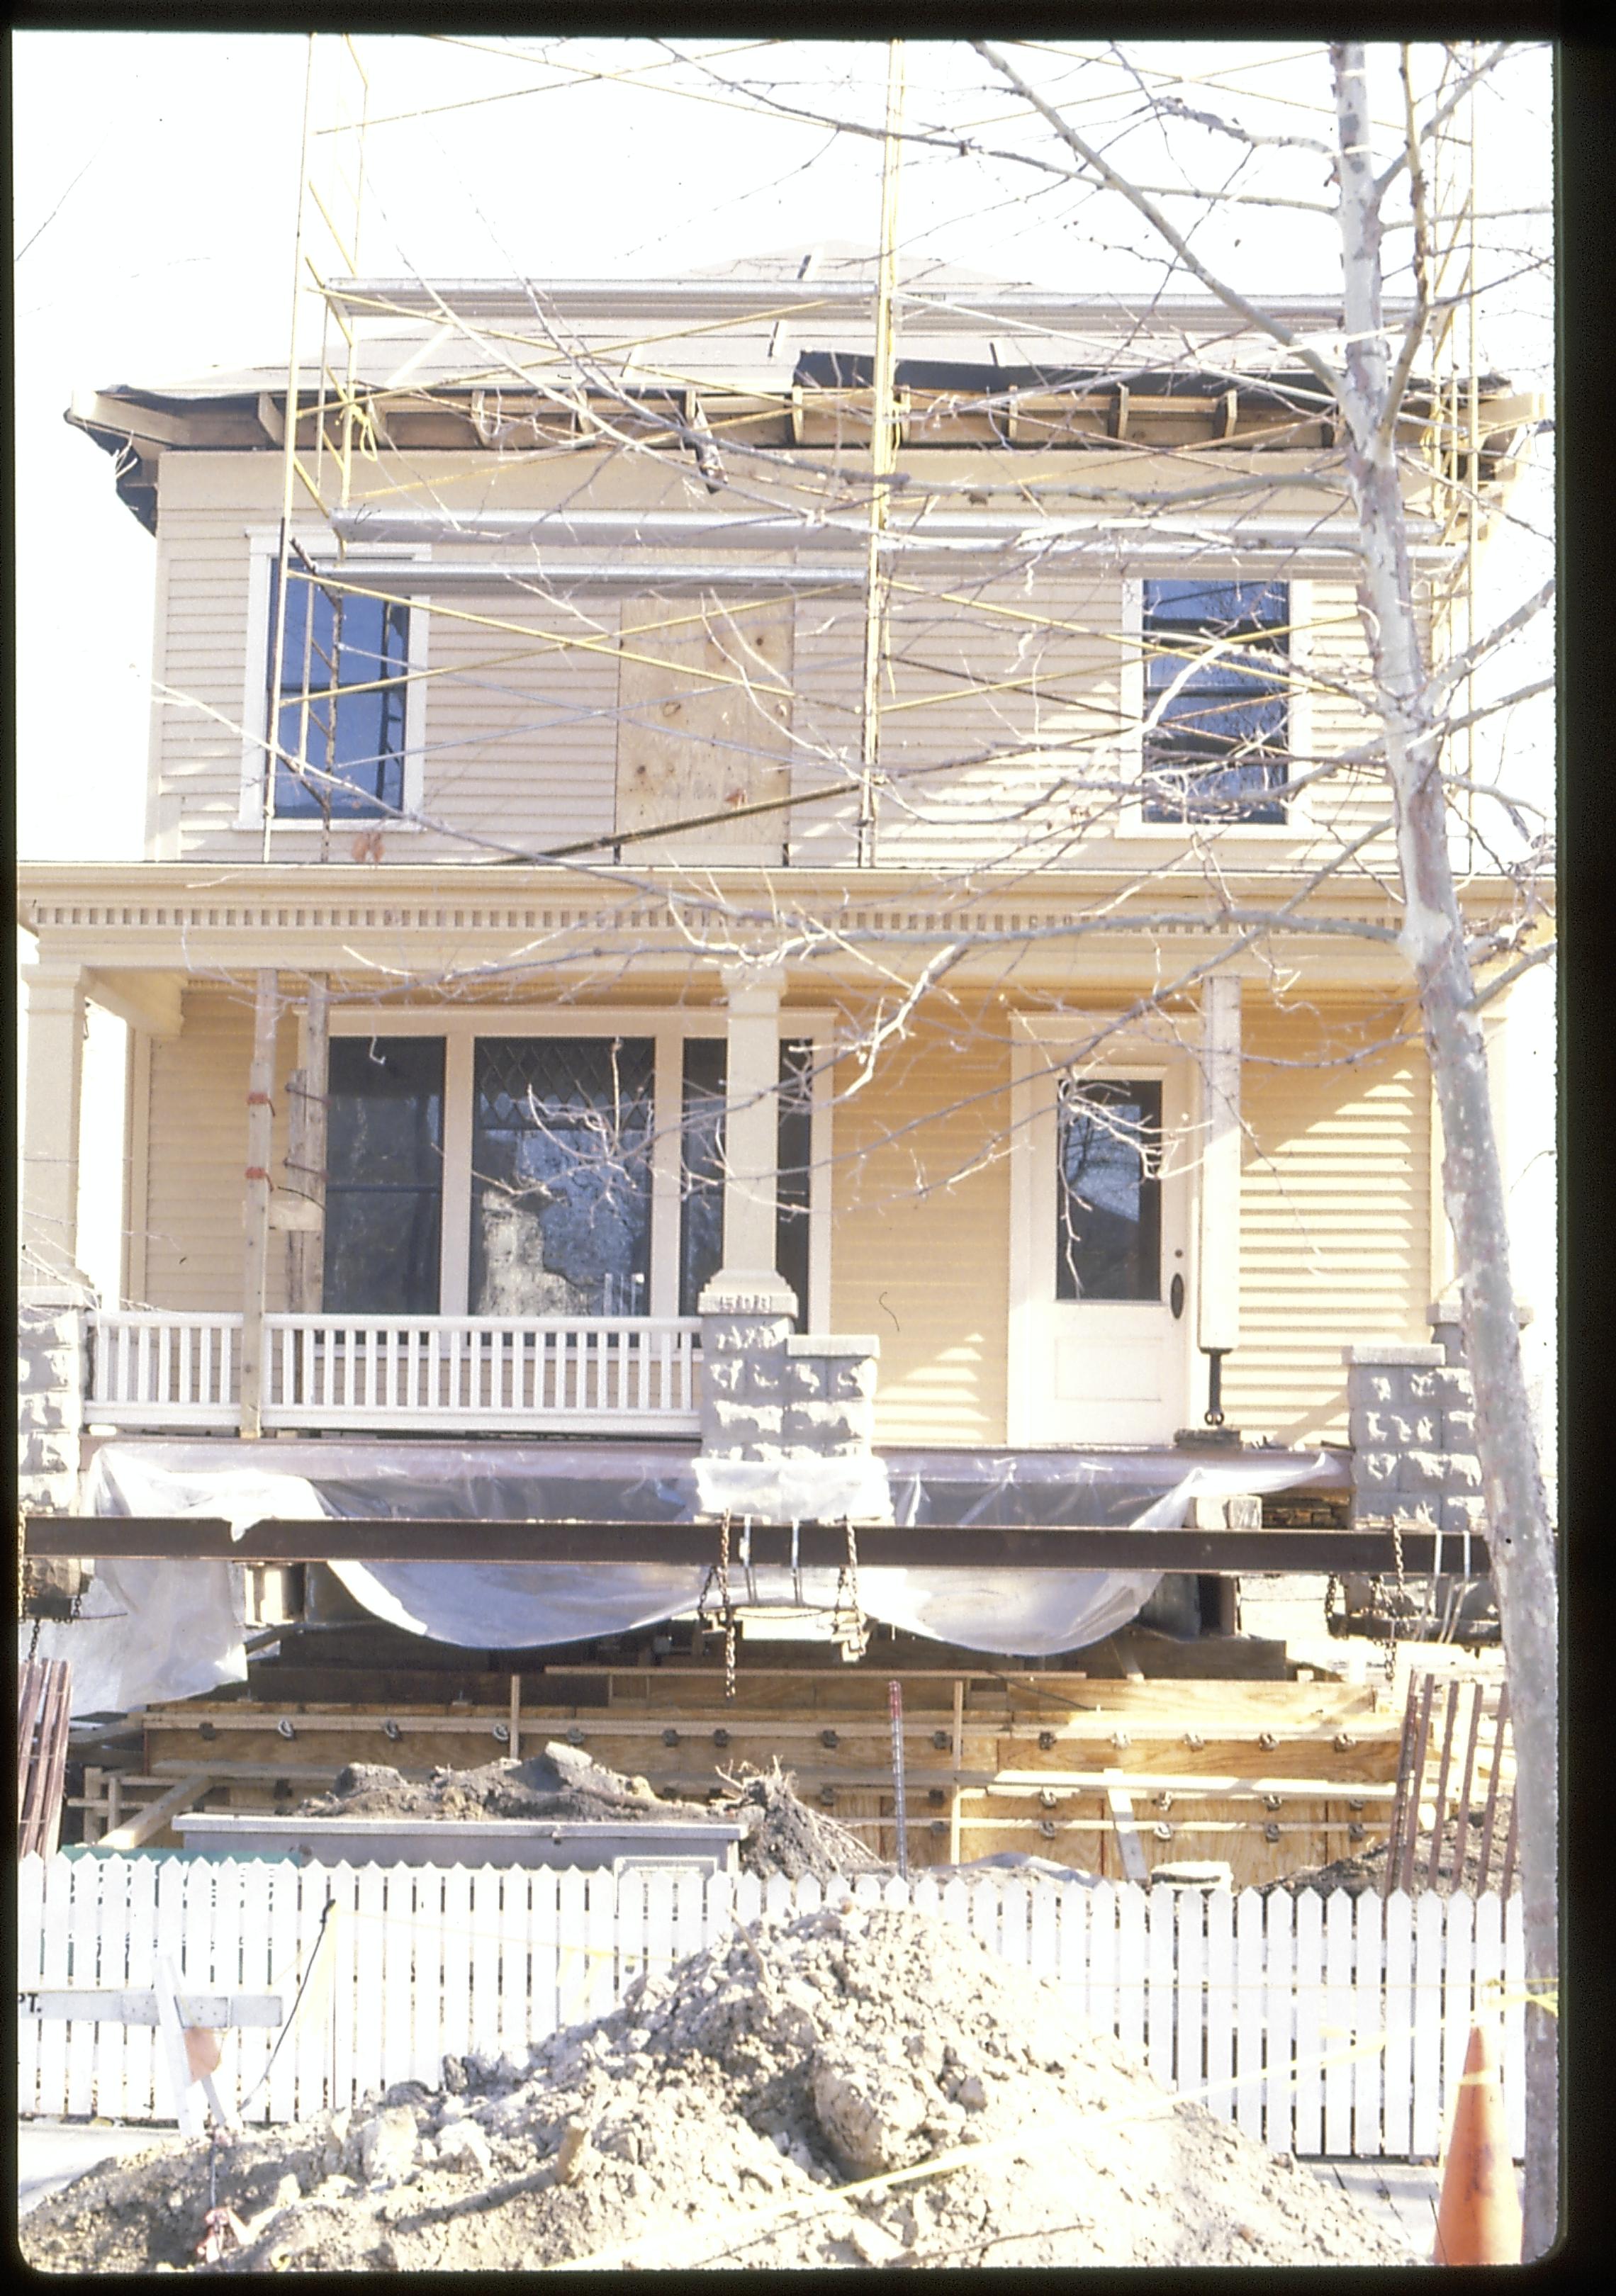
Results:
1432 935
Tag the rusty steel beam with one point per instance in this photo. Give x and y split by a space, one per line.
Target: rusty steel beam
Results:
820 1545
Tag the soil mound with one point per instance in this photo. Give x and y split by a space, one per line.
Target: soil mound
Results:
758 2104
561 1782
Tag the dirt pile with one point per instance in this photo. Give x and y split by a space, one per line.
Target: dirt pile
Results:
784 1835
734 2110
561 1782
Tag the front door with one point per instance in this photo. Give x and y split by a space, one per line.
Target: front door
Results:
1100 1310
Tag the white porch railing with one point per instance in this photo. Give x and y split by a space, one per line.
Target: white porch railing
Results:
563 1374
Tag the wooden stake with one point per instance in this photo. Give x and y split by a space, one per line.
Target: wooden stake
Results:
307 1094
260 1123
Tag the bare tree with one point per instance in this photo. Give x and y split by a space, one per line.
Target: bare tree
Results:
1411 701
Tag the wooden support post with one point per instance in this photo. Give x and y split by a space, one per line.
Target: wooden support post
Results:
307 1094
1119 1802
516 1718
260 1121
156 1813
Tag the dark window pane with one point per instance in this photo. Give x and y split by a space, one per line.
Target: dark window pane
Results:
381 1246
384 1161
794 1181
1108 1195
701 1183
701 1170
560 1176
355 737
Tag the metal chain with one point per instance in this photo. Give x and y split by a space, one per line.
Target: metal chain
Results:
726 1610
854 1633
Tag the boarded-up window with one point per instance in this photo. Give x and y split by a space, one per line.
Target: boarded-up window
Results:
704 703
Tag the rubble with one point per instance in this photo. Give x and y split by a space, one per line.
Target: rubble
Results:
763 2105
785 1836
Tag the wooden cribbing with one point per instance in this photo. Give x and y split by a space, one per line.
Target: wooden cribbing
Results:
43 1705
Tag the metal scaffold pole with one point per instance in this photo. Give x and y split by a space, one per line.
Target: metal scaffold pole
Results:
883 460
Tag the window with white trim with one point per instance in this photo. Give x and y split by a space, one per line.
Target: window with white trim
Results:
340 716
1215 701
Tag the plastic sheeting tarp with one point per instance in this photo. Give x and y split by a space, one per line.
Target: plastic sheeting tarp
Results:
499 1606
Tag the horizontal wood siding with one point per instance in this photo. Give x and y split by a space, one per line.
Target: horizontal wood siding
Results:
205 565
1000 724
1009 692
197 1157
1335 1212
921 1246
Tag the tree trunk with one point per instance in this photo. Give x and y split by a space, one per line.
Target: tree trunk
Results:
1521 1543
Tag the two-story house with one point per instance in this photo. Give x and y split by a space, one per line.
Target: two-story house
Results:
667 845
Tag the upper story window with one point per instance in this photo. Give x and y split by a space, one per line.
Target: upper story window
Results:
350 655
1217 666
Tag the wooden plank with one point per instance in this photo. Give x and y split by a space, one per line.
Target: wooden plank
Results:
704 715
1308 2100
1397 2115
156 1814
1158 2019
1131 1967
370 1926
142 2074
56 1915
1120 1803
1279 2035
84 1925
30 1942
1426 2133
1369 2024
1218 2047
122 2006
1190 1911
479 1914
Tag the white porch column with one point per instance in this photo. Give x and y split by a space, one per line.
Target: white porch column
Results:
49 1237
1217 1308
751 1117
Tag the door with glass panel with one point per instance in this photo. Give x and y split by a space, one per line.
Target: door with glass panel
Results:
1101 1304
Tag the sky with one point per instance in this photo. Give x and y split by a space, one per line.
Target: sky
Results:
156 191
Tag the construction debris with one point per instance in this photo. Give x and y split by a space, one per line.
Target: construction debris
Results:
785 1836
764 2104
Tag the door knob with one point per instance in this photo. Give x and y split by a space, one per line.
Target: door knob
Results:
1175 1295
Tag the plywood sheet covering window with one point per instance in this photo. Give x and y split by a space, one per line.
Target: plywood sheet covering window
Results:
1334 1211
921 1251
195 1186
521 730
704 724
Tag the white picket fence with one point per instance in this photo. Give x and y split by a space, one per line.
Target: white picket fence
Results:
1322 2027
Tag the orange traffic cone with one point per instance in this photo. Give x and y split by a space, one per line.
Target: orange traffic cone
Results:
1478 2215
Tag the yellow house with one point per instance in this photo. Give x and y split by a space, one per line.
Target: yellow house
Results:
650 805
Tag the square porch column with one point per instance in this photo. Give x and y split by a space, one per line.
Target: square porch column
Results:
751 1148
49 1237
54 1293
